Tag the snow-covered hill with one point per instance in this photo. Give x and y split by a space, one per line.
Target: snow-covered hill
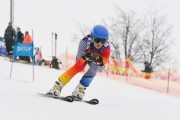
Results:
19 99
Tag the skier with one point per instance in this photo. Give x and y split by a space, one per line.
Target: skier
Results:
93 50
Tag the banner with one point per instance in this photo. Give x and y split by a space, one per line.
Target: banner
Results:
2 47
1 38
23 49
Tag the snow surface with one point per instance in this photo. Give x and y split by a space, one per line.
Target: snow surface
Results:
19 99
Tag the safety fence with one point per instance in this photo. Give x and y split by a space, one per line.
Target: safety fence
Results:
166 81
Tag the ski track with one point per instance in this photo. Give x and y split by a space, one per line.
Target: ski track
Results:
19 98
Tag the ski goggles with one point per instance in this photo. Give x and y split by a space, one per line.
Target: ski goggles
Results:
99 40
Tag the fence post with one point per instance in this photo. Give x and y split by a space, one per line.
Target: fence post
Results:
66 58
108 69
168 81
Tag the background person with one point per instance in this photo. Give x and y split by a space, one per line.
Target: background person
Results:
9 37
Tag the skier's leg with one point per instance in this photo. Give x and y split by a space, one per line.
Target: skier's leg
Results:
56 90
71 72
67 76
86 80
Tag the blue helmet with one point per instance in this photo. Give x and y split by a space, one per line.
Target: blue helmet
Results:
100 31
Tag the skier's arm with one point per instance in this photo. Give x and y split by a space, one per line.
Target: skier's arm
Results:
105 54
81 49
88 56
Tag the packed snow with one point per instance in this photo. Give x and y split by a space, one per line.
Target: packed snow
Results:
19 99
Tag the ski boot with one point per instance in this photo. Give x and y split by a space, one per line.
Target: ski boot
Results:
79 92
56 90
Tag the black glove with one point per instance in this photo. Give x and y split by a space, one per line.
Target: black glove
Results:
98 60
88 56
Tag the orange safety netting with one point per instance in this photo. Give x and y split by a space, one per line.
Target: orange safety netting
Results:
166 81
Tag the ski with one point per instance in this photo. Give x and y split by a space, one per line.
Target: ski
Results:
71 99
92 101
55 97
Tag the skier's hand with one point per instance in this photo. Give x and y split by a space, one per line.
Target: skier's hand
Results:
98 60
88 56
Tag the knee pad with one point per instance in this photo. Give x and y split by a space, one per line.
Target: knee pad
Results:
85 81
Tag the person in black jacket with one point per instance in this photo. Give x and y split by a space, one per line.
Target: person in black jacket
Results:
54 63
148 68
9 36
20 35
19 38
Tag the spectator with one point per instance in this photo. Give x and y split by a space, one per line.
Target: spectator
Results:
20 35
19 38
147 70
54 63
38 56
27 39
9 36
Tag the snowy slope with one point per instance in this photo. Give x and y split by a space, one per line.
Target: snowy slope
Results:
19 99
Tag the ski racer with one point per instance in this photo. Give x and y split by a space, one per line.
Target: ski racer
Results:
93 50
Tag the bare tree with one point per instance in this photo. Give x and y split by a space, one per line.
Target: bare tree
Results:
157 39
82 32
147 38
126 29
114 38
